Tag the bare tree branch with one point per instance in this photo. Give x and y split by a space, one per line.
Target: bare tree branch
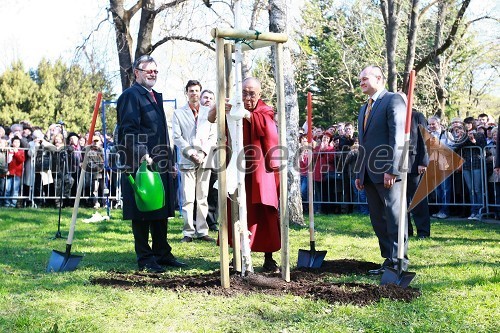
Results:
448 42
84 43
481 18
169 5
184 38
132 10
426 8
255 14
220 17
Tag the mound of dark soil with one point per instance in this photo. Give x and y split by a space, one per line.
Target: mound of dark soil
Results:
304 282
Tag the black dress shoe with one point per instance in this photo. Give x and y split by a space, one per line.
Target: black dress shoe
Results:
186 239
172 263
378 271
206 238
213 227
152 268
422 237
270 266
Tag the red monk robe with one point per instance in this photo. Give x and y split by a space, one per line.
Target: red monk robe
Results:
260 140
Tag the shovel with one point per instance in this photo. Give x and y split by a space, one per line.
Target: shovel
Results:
310 258
391 275
65 261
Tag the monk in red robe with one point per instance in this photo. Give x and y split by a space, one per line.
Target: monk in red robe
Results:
260 140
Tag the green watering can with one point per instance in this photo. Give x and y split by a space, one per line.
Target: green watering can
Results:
148 189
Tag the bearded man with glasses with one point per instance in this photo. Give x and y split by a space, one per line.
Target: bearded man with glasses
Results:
143 136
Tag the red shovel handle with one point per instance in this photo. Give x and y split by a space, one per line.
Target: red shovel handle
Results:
409 106
94 117
309 117
82 175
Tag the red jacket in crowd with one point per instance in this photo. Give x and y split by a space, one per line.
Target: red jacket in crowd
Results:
17 163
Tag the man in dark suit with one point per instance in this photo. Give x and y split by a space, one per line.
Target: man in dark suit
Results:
418 159
381 124
143 135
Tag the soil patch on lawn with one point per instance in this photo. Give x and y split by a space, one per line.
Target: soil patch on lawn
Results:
304 282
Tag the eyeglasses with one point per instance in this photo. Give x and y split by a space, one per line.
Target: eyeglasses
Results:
148 71
250 94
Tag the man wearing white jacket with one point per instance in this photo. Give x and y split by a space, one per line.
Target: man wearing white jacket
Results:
195 137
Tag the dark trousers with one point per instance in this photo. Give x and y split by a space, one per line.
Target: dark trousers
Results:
421 212
384 206
213 202
160 250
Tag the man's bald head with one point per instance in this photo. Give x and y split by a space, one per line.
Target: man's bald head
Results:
371 80
252 81
252 89
376 71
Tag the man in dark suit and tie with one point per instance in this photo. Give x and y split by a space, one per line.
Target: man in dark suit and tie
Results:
381 124
143 135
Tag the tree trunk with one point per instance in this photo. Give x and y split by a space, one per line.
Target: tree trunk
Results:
121 20
441 93
278 23
144 36
124 40
390 12
412 42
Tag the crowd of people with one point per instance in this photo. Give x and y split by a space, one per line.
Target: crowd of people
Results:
334 158
335 152
48 163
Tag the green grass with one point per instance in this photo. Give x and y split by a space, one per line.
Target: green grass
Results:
457 272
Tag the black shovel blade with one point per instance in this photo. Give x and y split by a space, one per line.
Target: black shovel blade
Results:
310 259
392 275
62 262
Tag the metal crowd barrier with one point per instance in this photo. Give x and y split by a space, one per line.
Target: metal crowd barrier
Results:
336 191
333 182
41 185
491 183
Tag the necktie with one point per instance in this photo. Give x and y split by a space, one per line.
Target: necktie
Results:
367 112
153 95
195 114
